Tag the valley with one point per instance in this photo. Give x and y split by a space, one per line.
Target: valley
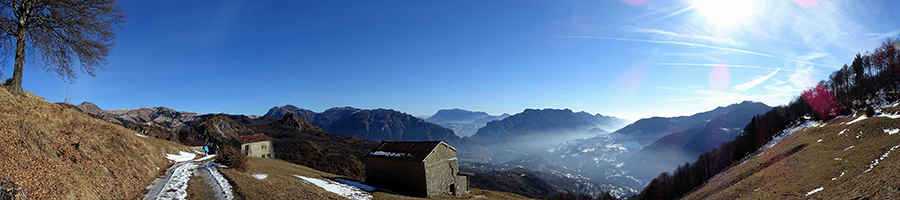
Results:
562 150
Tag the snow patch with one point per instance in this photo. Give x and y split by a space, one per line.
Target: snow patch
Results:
220 184
140 135
181 157
206 157
356 184
891 131
842 132
848 148
389 154
787 132
814 191
260 176
885 155
338 188
175 187
863 117
892 116
820 140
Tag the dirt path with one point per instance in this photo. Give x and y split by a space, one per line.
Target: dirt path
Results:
178 177
198 189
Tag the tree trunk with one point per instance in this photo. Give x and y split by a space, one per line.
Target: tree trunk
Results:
16 87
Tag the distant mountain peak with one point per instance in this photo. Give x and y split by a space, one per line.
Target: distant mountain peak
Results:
457 115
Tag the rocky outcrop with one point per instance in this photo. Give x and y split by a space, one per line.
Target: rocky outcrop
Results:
280 111
166 117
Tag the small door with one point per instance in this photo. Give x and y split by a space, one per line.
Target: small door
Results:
453 189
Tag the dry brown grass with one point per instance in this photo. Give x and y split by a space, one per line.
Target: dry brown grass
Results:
777 174
280 183
58 153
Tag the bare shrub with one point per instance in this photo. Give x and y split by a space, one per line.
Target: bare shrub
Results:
232 158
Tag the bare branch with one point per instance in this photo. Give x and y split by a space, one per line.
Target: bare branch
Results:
61 35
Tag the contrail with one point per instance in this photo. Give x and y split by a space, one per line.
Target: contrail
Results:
690 44
673 14
726 65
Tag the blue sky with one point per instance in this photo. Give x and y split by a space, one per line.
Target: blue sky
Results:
626 58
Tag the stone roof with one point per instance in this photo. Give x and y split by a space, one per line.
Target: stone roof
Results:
416 151
252 138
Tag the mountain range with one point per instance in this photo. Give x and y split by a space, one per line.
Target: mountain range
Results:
604 157
574 151
534 129
670 151
378 125
463 122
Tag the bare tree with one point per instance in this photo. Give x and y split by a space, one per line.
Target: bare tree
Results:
60 34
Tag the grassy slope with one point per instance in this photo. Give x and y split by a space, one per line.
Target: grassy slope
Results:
777 174
281 184
59 153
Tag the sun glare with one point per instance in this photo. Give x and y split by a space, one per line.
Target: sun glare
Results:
725 13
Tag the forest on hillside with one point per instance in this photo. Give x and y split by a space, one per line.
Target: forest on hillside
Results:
871 78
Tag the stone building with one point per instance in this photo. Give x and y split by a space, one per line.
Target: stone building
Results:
256 145
416 168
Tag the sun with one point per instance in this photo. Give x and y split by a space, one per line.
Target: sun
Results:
726 13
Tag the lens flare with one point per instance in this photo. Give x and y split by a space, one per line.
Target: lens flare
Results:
634 2
630 81
719 78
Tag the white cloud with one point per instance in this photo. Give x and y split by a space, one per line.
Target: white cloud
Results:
687 44
753 83
802 77
812 56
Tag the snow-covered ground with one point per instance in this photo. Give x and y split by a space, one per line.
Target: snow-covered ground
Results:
787 132
140 135
814 191
860 118
173 185
175 182
206 157
883 156
218 182
181 157
260 176
348 191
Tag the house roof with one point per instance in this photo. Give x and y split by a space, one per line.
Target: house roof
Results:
416 151
252 138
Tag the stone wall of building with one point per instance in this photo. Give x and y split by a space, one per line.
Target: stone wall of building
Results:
404 176
261 149
442 170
